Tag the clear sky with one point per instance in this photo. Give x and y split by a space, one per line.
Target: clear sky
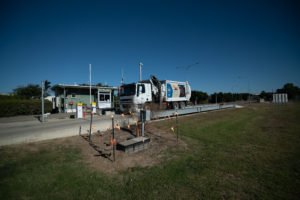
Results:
233 42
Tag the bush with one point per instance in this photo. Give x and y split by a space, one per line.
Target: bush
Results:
10 97
14 107
199 97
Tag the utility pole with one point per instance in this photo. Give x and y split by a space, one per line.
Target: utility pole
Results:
248 90
140 65
122 81
90 84
42 101
240 77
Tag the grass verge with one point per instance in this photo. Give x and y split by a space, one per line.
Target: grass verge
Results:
249 153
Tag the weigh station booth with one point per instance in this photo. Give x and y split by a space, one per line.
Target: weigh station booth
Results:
67 97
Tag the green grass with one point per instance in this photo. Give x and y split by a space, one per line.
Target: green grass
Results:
249 153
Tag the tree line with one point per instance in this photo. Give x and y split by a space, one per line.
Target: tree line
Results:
25 100
33 91
199 97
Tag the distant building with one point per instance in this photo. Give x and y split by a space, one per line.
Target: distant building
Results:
280 98
67 97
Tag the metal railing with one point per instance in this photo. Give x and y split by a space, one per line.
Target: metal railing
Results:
190 110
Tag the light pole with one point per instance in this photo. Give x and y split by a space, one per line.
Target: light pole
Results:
240 77
90 84
42 101
249 90
140 66
233 96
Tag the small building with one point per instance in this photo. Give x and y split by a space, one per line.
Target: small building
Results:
280 98
67 97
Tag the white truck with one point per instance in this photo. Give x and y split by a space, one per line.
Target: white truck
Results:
154 94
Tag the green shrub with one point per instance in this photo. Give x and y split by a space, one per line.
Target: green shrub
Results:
10 97
14 107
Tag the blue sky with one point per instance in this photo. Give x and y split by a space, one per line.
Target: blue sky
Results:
233 42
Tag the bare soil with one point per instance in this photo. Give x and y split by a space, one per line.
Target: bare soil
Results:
98 154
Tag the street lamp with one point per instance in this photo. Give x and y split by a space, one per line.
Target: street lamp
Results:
140 66
233 97
241 77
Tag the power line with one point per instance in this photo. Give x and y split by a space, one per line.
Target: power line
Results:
187 67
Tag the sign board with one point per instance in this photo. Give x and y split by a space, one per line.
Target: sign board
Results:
94 107
175 90
79 110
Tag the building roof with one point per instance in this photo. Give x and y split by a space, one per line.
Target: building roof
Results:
82 87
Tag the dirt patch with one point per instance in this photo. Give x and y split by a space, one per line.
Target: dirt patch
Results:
96 152
99 157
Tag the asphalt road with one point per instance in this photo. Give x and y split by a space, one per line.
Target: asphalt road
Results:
15 132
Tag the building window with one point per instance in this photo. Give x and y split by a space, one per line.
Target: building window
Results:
73 95
101 97
107 97
104 97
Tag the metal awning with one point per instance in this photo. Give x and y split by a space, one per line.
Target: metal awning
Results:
62 86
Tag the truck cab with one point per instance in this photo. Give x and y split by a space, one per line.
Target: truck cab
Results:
134 96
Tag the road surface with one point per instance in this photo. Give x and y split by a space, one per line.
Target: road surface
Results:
16 132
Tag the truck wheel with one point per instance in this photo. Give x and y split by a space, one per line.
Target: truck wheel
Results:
182 105
175 105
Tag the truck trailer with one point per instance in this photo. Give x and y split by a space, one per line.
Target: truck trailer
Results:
153 94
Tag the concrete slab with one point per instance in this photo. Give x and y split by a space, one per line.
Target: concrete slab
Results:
134 145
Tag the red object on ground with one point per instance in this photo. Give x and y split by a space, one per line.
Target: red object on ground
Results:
83 114
112 141
71 103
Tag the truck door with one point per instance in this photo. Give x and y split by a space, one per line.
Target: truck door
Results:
148 93
144 93
141 94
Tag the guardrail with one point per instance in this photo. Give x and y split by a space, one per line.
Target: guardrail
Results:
190 110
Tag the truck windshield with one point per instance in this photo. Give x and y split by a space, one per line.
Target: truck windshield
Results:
127 90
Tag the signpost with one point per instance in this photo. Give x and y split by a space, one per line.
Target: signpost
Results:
44 85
